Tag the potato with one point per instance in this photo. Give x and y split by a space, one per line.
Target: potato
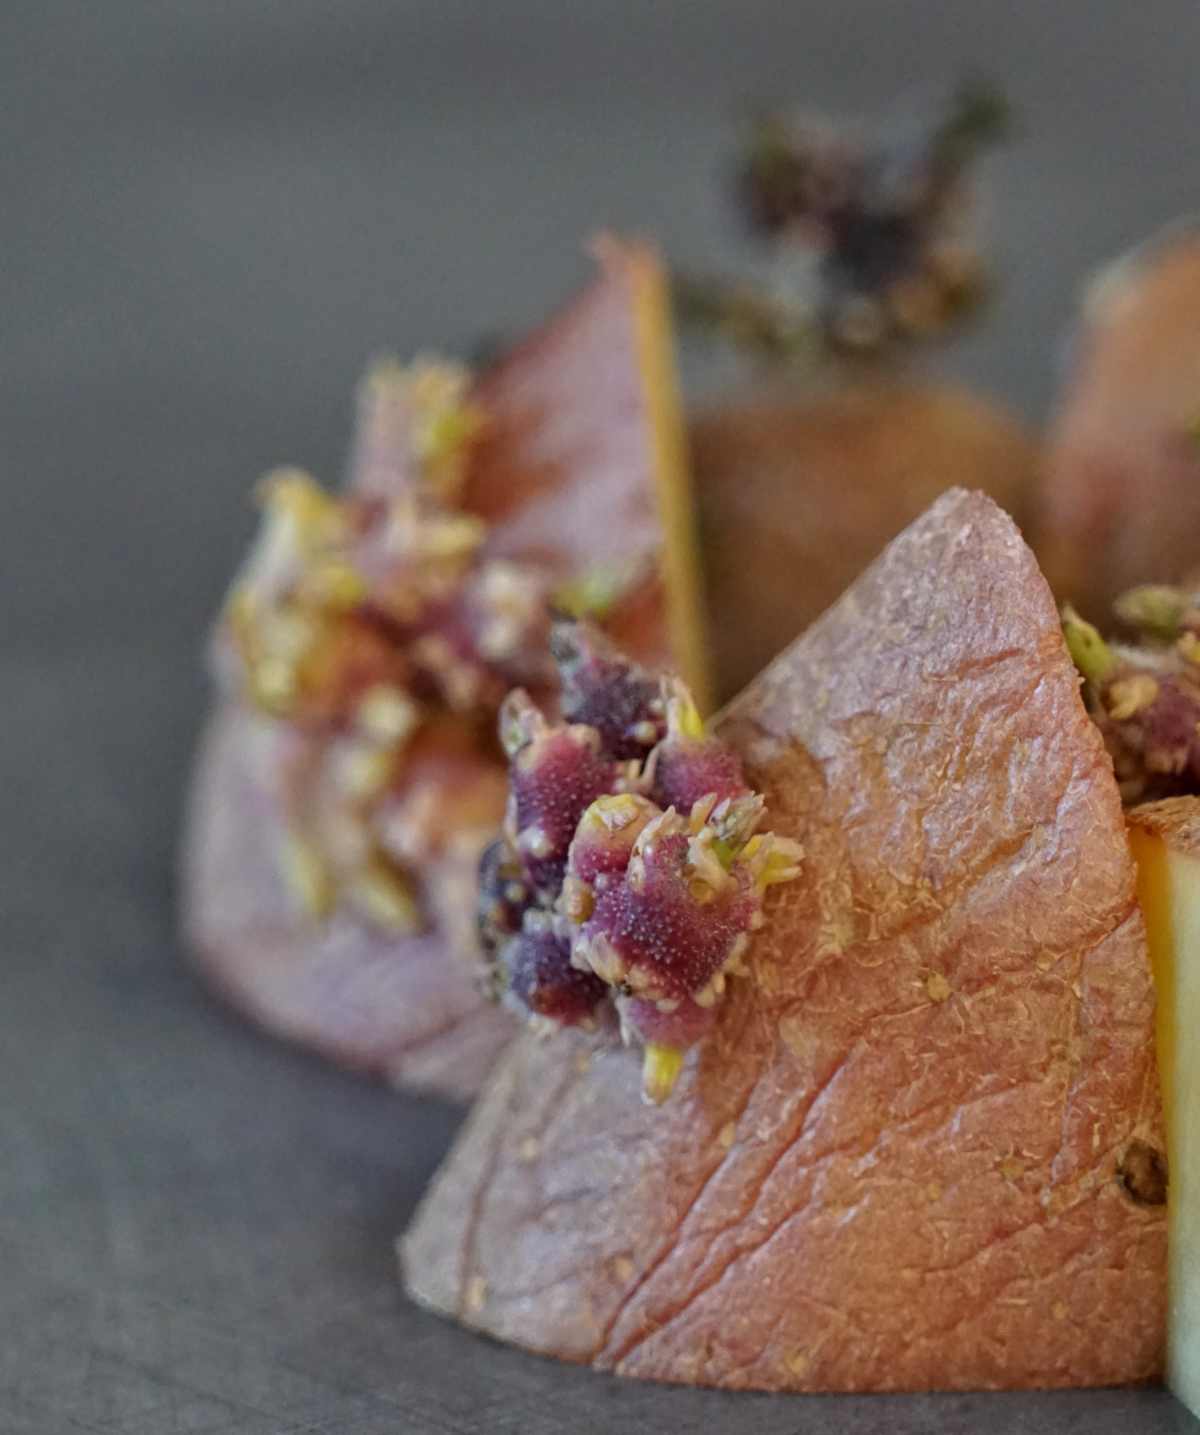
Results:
1166 843
904 1159
580 470
1121 500
798 493
583 466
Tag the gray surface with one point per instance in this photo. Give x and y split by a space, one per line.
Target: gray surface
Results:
209 215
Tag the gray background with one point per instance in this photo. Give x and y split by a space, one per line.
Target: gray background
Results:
210 215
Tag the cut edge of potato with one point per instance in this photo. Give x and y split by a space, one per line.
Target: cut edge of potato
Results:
654 339
1165 838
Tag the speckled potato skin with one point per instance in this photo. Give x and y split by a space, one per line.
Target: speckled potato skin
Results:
577 468
1120 504
894 1167
798 493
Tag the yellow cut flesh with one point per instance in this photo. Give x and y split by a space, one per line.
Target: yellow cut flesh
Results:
680 558
1169 891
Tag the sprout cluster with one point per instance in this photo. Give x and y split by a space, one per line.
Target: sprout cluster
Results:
371 622
631 870
872 228
1144 694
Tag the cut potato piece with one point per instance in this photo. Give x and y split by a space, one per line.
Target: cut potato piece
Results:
901 1159
1166 843
582 463
580 471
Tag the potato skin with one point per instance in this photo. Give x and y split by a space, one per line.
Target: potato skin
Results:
1120 504
895 1165
798 493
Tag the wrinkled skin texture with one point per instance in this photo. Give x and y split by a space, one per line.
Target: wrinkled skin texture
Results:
798 493
567 476
1120 503
893 1164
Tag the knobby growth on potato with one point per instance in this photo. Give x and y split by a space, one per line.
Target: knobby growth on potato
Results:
873 226
631 871
1144 692
375 628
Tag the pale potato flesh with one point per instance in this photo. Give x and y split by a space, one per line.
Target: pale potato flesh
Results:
1166 844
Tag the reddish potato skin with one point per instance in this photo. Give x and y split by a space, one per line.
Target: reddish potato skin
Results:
1121 500
798 494
894 1167
562 483
582 463
577 467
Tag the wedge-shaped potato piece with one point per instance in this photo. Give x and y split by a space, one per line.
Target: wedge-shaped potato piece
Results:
1166 843
897 1161
583 467
1120 504
797 494
580 472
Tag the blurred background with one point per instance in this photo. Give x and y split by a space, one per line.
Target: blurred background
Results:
212 214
